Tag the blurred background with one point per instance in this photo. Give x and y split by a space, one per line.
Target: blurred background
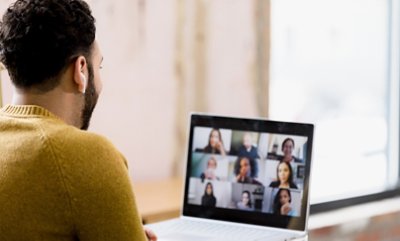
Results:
333 63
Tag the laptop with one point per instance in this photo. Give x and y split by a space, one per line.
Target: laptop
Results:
246 179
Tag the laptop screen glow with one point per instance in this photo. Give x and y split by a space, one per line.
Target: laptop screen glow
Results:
248 171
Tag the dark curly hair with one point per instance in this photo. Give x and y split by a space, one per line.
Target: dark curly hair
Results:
252 163
38 38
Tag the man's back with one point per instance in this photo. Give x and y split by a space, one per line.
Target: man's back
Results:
60 183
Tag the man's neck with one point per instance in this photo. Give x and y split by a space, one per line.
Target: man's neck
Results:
54 101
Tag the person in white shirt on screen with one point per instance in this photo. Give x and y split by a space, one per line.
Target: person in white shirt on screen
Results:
245 202
209 173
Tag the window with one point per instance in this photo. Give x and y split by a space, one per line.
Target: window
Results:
332 65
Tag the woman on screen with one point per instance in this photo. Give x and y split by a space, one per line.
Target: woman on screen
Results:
287 149
284 175
215 144
210 172
282 203
243 171
208 198
245 202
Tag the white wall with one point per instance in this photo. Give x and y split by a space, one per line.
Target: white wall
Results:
144 98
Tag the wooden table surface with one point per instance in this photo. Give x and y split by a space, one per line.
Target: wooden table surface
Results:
159 200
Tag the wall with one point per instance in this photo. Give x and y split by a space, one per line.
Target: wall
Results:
165 58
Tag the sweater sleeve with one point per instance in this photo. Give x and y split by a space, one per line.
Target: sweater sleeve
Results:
102 202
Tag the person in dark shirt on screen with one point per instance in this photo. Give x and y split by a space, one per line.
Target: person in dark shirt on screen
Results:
247 149
243 171
208 198
284 176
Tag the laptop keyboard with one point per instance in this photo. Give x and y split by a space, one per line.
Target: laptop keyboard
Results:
220 230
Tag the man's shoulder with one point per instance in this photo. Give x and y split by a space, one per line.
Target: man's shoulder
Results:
73 135
69 139
90 138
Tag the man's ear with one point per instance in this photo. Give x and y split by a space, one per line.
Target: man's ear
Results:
80 71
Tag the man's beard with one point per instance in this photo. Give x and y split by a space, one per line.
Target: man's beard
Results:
91 97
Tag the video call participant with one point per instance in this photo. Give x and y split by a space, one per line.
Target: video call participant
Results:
58 181
245 202
208 199
287 149
282 203
215 144
243 171
284 175
247 149
209 173
273 154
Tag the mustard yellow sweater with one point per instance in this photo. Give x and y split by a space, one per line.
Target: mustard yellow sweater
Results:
60 183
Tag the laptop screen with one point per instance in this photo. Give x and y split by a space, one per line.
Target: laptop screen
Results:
251 171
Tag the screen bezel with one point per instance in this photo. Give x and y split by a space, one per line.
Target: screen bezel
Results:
255 125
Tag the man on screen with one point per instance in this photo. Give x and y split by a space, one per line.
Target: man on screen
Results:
58 181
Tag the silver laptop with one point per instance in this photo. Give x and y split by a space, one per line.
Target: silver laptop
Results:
246 179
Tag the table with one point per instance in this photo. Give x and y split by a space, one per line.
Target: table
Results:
159 200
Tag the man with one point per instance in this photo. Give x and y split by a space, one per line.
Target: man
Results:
58 181
247 149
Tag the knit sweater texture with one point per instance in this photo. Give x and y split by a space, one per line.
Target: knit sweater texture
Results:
61 183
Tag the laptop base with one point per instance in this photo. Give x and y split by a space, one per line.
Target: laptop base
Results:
180 229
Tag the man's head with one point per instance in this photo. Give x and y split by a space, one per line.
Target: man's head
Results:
42 40
247 140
